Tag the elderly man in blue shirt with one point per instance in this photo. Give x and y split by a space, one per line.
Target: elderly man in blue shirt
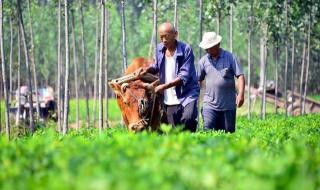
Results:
174 61
219 69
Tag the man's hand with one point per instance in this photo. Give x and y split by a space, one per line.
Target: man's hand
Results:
240 100
241 86
160 88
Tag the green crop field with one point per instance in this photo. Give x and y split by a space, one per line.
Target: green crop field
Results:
275 153
69 48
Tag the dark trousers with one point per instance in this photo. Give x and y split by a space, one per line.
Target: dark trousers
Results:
219 120
179 115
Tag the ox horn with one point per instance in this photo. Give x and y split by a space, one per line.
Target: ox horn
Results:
123 87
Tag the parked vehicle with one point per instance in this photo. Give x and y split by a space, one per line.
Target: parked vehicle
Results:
46 101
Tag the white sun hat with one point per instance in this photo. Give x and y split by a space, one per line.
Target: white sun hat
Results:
209 39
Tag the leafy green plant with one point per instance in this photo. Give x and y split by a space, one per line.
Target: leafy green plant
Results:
275 153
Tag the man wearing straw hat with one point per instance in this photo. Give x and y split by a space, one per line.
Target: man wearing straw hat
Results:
218 68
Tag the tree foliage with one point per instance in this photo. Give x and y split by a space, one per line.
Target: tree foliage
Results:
139 31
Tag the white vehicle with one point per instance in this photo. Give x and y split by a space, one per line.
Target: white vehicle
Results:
46 101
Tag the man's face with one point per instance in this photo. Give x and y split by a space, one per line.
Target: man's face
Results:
214 51
167 37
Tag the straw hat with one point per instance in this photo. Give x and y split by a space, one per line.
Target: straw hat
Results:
209 39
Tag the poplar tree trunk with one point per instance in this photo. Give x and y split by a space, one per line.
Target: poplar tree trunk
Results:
200 25
96 62
276 60
199 56
218 23
151 48
155 24
286 61
59 104
263 75
10 59
262 67
23 39
249 61
307 68
153 42
84 61
123 30
231 28
62 65
75 67
4 81
175 19
262 63
18 78
218 14
276 77
34 73
101 65
302 69
106 62
18 82
66 80
265 79
292 70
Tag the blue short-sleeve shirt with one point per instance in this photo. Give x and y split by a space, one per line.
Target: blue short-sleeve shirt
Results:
219 73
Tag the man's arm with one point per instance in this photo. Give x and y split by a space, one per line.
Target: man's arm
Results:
183 73
187 66
241 86
163 87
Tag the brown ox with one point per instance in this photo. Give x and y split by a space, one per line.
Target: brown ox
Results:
139 105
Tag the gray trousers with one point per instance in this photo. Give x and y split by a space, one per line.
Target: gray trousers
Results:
179 115
219 120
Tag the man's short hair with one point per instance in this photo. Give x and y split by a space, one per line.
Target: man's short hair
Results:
172 28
